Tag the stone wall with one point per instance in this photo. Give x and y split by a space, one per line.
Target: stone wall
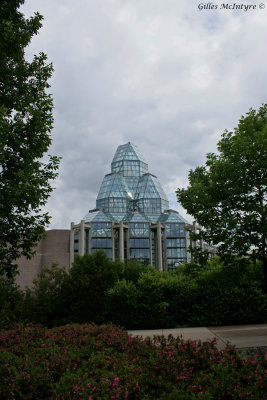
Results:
53 248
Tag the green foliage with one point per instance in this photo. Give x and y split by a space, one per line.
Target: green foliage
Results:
96 290
89 279
153 304
122 304
57 298
194 295
45 302
11 303
25 125
141 305
228 196
227 305
199 256
133 269
103 362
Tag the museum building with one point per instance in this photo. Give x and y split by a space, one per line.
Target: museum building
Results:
132 219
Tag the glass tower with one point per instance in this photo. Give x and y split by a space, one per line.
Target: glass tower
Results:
132 219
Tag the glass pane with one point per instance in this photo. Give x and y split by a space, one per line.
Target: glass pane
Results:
101 229
139 229
175 230
139 243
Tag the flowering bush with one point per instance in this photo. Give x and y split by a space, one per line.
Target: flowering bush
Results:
103 362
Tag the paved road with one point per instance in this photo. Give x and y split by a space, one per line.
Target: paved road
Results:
242 336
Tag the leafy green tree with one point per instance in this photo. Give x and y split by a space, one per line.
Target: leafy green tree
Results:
11 303
133 269
89 280
46 302
228 194
25 126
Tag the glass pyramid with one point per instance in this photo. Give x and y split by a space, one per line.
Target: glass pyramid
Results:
129 187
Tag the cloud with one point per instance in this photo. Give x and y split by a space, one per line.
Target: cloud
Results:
158 73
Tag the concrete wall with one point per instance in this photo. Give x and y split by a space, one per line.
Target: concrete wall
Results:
53 248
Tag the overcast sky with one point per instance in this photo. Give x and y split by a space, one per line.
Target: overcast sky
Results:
162 74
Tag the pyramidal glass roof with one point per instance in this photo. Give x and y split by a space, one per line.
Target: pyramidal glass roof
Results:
135 216
128 152
113 185
130 192
129 161
98 216
149 187
171 216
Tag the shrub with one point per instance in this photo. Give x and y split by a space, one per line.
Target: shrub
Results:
103 362
132 270
11 302
139 297
122 305
89 280
191 296
226 305
45 303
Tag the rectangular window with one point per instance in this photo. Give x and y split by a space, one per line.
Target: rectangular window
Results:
99 243
175 230
139 243
101 229
175 252
177 242
139 229
140 255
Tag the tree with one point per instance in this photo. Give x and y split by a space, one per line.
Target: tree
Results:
89 280
228 195
46 302
25 125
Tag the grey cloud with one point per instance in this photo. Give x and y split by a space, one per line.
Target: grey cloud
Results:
158 73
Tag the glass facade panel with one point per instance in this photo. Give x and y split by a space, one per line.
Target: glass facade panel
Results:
176 252
102 237
139 229
99 243
139 253
175 230
116 243
113 205
76 242
129 161
86 241
175 242
101 229
139 243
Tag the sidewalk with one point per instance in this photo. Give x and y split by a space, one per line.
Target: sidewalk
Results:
242 336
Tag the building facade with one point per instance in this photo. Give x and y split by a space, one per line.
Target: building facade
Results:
54 248
132 219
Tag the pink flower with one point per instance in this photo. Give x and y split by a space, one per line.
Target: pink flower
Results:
116 381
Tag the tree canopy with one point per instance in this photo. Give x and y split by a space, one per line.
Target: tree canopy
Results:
25 135
227 195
